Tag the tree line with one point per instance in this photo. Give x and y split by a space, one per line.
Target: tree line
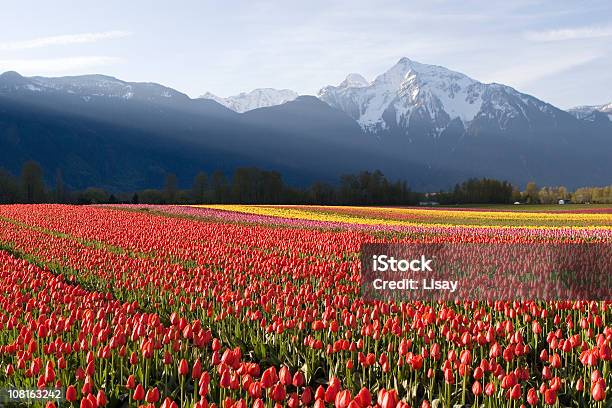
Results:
480 191
251 185
489 191
248 185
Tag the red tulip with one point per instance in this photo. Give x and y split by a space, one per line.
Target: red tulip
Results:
71 393
139 393
10 370
550 397
284 376
363 397
131 383
278 393
515 392
101 398
85 403
298 379
319 403
599 390
196 370
580 385
416 362
476 388
532 397
389 399
183 368
152 395
269 377
307 396
449 377
478 373
555 361
342 400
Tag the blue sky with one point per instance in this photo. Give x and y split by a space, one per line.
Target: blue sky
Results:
559 51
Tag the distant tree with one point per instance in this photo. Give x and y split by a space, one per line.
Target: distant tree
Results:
200 187
271 187
606 194
151 196
349 189
322 193
9 188
60 190
93 195
252 185
171 188
32 182
531 193
480 191
373 188
219 187
244 185
546 196
583 195
112 199
135 199
516 195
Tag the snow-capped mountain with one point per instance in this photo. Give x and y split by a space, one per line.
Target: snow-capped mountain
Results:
88 86
258 98
590 112
434 125
431 98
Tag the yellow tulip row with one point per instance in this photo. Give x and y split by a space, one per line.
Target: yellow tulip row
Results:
420 217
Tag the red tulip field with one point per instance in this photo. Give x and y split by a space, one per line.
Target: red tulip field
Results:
240 306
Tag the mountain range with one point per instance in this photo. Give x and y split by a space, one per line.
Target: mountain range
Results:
593 113
258 98
423 123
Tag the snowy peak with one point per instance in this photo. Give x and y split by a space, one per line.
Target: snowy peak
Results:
589 112
405 88
258 98
87 85
436 97
354 81
433 88
212 96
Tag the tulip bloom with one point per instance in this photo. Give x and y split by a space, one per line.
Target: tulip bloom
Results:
342 400
599 390
139 393
476 388
550 397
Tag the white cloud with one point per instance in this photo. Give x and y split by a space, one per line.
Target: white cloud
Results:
569 34
55 65
62 40
521 73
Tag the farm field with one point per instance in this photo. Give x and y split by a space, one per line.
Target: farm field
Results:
240 306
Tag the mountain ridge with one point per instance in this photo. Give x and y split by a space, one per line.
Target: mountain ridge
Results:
426 124
412 90
592 112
